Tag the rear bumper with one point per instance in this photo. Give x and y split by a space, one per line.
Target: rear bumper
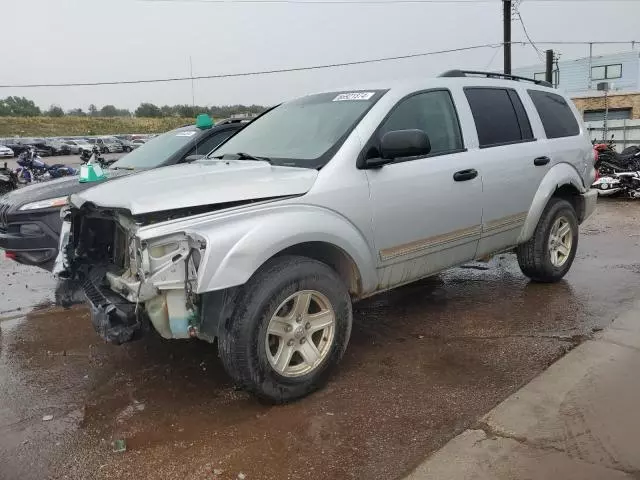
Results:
37 247
589 202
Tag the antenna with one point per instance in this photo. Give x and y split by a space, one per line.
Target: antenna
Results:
193 93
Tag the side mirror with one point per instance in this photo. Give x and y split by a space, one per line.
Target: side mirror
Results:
399 144
404 143
193 158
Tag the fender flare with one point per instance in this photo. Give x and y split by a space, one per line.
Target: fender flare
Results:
256 239
559 175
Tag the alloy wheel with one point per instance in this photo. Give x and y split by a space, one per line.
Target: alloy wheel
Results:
560 242
300 333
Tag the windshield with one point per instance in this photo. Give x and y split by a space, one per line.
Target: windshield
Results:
158 149
305 132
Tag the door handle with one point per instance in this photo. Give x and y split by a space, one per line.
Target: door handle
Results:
540 161
464 175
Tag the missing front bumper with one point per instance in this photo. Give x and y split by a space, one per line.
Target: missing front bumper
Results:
114 319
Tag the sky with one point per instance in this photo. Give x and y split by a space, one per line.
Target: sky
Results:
104 40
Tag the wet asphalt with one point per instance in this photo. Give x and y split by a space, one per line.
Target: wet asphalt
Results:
424 363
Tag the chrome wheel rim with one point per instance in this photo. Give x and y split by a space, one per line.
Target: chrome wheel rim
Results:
560 242
300 333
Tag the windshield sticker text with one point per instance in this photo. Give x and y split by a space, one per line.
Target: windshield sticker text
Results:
354 96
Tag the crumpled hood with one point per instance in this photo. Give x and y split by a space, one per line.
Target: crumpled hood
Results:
206 182
59 187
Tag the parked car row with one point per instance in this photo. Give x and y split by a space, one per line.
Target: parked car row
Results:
10 147
264 244
30 217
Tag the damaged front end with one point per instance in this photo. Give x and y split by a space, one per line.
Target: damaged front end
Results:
130 283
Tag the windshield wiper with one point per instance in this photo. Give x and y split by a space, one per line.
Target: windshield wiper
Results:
122 168
245 156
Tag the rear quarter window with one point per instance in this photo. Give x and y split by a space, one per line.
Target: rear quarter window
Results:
499 116
556 115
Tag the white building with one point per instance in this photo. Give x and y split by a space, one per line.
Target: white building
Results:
580 77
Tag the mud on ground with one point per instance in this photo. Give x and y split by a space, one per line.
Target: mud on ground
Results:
424 362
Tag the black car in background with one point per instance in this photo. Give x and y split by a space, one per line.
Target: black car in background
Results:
30 217
18 145
126 144
56 147
43 147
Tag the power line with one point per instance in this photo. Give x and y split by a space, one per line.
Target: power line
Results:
584 42
516 11
313 2
312 67
369 2
493 57
260 72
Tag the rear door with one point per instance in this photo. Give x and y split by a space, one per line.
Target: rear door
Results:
512 162
566 141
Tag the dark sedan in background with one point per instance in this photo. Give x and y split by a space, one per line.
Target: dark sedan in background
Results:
30 217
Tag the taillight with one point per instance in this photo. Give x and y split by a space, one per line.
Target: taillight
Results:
10 255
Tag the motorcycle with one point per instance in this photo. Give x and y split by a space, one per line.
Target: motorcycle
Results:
95 152
8 180
618 173
33 169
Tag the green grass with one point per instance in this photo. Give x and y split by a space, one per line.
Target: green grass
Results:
72 126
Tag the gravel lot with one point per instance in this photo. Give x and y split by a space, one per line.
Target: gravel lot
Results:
424 363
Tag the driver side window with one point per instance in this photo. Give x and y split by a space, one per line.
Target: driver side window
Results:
210 143
432 112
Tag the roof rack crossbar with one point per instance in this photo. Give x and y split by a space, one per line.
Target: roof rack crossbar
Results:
467 73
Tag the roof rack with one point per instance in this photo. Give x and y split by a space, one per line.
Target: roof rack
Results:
471 73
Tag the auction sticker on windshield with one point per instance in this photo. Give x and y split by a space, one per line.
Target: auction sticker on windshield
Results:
354 96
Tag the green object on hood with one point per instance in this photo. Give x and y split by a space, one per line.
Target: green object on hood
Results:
204 121
91 173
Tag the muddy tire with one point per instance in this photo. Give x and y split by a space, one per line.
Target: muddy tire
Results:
290 327
548 255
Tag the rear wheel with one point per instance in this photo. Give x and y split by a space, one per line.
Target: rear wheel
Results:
548 255
291 326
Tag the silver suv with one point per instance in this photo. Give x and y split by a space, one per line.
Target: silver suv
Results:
326 200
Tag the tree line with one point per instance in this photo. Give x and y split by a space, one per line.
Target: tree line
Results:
23 107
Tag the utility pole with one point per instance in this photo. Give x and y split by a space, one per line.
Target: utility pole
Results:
548 75
506 4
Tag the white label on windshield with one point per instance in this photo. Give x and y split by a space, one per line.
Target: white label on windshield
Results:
354 96
185 134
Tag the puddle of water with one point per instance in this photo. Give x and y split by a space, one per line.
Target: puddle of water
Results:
23 287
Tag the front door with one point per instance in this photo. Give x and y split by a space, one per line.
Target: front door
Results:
427 211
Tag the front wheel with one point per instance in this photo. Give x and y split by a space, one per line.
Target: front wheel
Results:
548 255
291 326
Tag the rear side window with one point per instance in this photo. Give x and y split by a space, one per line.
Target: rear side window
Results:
499 116
557 118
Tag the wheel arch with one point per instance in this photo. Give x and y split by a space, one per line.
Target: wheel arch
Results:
562 181
333 256
309 231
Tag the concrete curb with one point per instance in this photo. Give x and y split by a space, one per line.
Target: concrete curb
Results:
579 419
